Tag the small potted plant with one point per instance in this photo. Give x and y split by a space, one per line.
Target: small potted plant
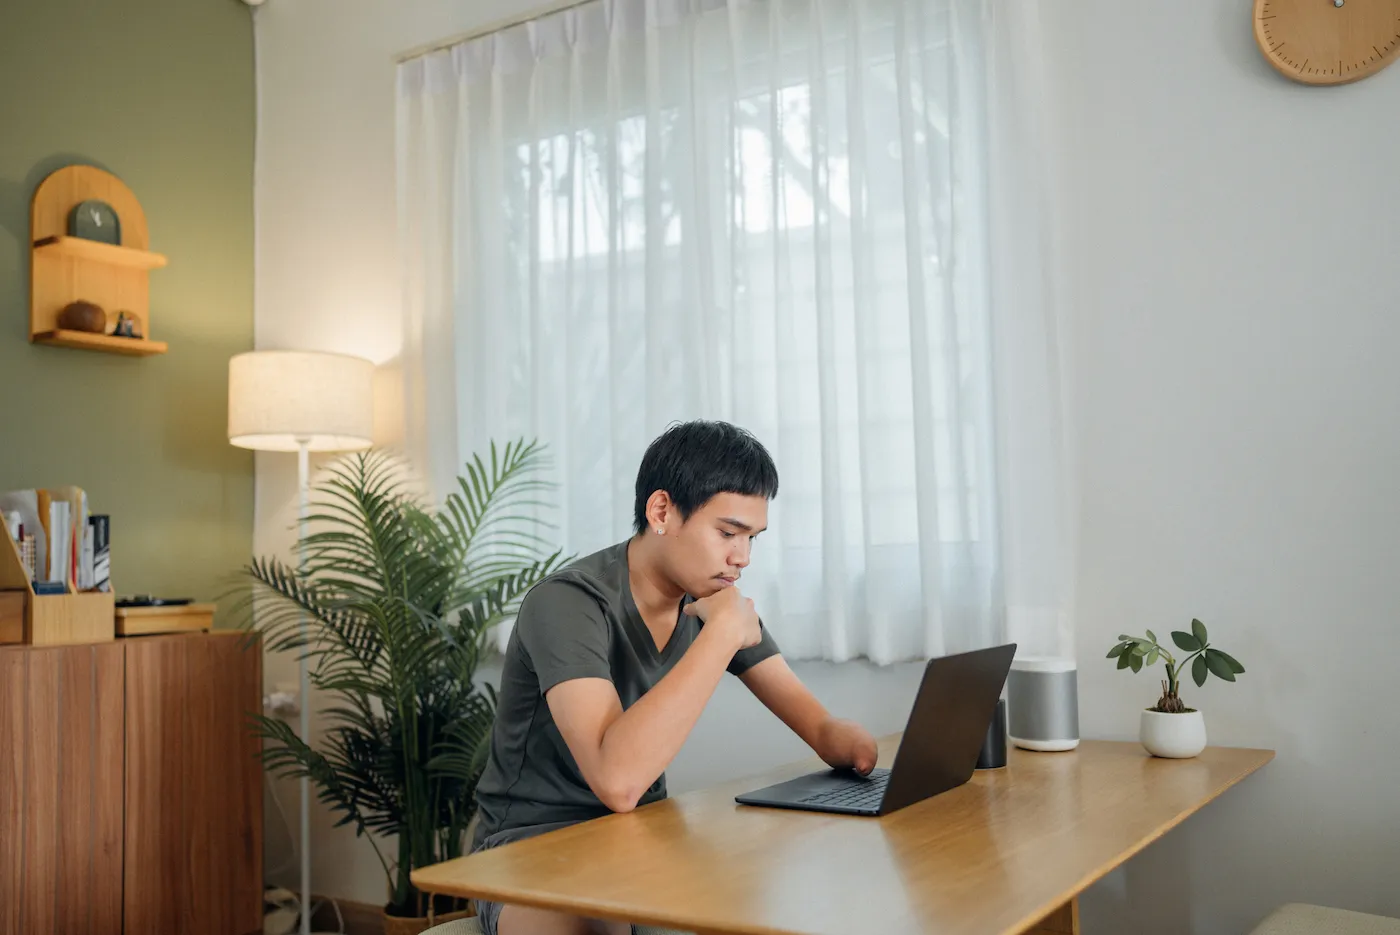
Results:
1169 728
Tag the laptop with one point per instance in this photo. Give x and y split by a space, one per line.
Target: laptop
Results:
947 725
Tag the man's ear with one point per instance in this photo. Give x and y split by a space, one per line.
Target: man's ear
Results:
661 512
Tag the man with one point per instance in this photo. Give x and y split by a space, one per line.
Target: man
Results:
614 657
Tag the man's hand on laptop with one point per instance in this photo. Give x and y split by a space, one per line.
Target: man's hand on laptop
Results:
846 745
731 613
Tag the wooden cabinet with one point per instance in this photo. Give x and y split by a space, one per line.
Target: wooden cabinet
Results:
193 785
61 789
130 789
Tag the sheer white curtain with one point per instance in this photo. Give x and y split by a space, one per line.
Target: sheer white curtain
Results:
782 213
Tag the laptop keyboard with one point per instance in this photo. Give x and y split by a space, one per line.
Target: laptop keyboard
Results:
861 793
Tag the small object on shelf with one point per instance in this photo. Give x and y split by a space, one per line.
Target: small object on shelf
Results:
50 587
146 600
83 315
175 616
127 327
95 220
101 525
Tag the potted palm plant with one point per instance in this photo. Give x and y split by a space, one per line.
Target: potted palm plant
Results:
393 607
1169 728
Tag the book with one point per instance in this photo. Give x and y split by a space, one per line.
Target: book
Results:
85 562
26 504
26 555
58 526
101 526
75 522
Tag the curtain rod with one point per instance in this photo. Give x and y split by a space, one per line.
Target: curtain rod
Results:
549 9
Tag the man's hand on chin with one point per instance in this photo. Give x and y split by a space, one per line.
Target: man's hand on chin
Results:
846 745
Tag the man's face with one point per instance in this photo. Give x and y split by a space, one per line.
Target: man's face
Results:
710 550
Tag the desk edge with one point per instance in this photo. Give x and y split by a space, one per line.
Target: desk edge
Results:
1077 890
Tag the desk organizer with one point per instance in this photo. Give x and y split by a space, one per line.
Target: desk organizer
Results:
54 619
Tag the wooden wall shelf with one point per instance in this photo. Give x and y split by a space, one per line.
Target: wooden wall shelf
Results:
64 269
81 249
87 341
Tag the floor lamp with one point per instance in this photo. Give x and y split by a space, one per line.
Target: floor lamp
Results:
301 401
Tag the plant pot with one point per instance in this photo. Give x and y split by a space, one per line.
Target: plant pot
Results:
1177 736
406 925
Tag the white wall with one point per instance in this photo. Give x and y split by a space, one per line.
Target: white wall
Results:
1229 245
1227 248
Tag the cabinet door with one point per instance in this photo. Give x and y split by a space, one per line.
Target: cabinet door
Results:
193 785
61 734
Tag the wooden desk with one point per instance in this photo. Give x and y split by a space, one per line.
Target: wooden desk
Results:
1007 853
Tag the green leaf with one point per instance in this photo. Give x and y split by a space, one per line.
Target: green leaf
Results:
1185 641
1230 661
1140 649
1136 662
1152 636
1199 671
1125 637
400 598
1198 630
1125 660
1215 661
1117 650
1152 657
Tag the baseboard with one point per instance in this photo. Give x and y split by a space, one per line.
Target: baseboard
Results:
360 918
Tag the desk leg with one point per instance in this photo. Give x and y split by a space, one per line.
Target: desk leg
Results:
1063 921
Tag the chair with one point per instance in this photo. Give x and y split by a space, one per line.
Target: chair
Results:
1302 919
470 927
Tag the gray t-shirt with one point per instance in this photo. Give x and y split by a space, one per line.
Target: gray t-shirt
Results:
580 622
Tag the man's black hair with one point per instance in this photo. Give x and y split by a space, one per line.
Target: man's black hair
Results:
693 461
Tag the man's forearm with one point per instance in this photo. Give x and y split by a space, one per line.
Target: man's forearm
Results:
640 744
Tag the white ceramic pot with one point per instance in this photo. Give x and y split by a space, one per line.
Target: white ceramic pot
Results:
1173 735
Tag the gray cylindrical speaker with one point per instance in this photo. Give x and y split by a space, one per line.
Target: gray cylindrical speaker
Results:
1042 702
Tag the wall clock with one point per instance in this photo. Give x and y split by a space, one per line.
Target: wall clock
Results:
1328 41
95 220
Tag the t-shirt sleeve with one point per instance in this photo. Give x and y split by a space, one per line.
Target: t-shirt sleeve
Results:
746 659
564 633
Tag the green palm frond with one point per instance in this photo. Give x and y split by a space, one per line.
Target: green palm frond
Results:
392 606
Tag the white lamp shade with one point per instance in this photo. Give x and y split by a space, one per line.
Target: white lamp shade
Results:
279 400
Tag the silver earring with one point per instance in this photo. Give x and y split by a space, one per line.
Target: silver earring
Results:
658 530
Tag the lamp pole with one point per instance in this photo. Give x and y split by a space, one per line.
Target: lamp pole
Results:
303 507
286 400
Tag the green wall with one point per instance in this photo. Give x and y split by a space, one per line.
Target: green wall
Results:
161 94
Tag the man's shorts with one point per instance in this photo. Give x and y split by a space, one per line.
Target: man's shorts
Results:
488 913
